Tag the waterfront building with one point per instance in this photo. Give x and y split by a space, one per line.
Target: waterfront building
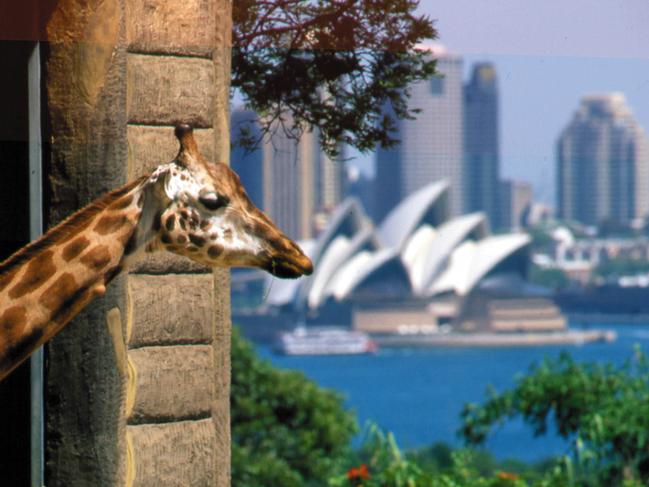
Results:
417 266
481 147
515 204
603 164
431 147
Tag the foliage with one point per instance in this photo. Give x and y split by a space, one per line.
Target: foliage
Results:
331 64
552 278
603 410
285 429
622 267
541 238
380 463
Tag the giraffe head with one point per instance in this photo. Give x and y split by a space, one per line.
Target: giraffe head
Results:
205 214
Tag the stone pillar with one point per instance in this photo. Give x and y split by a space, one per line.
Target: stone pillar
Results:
144 401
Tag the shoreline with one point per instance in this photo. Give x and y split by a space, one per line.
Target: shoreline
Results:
571 337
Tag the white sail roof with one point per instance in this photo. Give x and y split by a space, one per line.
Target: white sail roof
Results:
408 215
427 251
471 261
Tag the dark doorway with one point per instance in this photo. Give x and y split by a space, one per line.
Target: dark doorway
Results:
14 233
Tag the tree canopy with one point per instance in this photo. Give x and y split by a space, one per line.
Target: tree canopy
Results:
343 66
602 409
286 430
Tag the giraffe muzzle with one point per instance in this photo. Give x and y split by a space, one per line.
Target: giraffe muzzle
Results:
290 268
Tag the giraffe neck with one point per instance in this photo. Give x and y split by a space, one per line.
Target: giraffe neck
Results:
46 284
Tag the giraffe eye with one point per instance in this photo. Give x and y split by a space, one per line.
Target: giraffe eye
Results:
213 201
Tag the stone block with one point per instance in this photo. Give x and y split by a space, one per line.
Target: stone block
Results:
160 26
173 454
172 383
170 309
163 262
162 90
149 146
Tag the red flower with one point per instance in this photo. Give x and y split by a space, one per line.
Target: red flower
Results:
359 473
507 476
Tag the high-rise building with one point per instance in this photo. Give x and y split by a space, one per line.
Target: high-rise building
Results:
515 204
248 164
329 181
289 182
603 164
481 169
431 145
294 182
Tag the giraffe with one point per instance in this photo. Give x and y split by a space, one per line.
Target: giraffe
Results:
190 207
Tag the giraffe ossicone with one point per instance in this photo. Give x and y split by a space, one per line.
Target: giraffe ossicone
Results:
189 206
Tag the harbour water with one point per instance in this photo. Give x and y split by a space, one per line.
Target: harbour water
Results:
418 393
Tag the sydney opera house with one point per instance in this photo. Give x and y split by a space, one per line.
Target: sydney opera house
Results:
416 270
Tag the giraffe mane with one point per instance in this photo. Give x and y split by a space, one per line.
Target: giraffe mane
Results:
69 226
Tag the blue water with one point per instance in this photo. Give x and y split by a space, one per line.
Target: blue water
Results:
418 393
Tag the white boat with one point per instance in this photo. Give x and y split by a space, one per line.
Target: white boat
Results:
324 341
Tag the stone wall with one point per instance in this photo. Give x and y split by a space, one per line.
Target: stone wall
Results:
144 400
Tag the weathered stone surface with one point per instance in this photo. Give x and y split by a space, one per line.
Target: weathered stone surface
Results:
162 90
222 327
161 26
163 262
173 454
150 146
170 309
172 383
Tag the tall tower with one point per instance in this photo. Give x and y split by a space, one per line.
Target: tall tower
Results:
603 164
248 164
289 182
431 145
481 143
329 181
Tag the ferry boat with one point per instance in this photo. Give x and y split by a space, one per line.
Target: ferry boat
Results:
324 341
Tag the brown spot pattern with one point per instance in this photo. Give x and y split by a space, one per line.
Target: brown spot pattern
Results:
7 277
205 224
96 258
171 222
59 292
74 248
13 322
197 240
38 271
214 251
165 238
110 223
181 239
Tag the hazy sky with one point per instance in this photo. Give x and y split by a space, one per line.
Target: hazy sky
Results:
547 54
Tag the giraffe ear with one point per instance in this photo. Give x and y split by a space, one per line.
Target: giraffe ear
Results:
188 152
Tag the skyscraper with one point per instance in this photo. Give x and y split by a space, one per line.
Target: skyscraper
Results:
248 164
431 145
293 181
289 182
515 198
481 143
603 164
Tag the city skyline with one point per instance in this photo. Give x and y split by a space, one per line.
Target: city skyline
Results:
547 56
603 164
432 145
